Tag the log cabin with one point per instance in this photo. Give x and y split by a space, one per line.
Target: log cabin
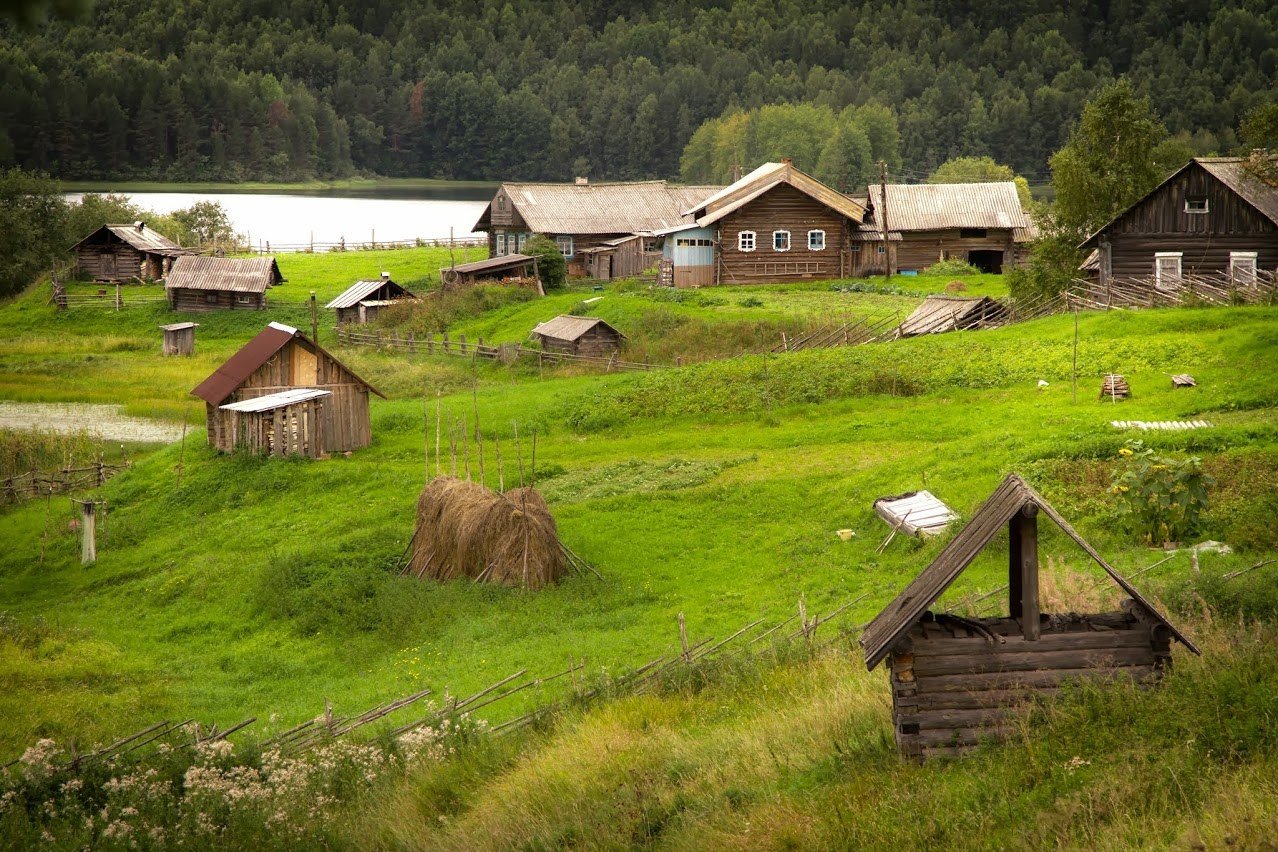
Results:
777 223
588 336
583 215
221 283
1214 216
277 363
960 680
125 253
363 300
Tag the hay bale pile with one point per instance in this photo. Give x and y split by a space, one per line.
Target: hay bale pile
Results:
467 530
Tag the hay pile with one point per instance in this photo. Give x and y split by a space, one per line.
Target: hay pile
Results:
467 530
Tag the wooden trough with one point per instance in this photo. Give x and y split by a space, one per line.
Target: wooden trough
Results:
958 681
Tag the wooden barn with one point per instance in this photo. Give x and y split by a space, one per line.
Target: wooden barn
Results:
777 223
579 336
624 257
940 313
221 283
496 269
958 680
1214 216
978 223
363 300
283 393
179 338
125 253
583 215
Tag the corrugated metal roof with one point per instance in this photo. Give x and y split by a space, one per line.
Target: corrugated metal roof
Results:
1011 496
916 513
570 328
600 208
272 401
226 274
940 313
141 238
503 261
765 178
358 291
940 206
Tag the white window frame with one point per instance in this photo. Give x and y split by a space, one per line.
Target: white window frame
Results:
564 241
243 299
1243 260
500 244
820 247
1162 280
788 242
1206 208
746 241
520 239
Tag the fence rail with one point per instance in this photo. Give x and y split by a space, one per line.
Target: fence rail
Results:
38 483
372 244
1212 288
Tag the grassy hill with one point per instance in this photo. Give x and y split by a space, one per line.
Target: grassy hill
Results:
263 588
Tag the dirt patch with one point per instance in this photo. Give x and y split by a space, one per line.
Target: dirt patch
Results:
104 421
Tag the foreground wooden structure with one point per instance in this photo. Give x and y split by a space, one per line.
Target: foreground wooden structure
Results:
957 681
282 394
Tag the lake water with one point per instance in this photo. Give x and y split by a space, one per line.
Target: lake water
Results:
298 218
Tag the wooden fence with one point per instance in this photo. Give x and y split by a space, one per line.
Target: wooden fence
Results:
37 483
1213 288
372 244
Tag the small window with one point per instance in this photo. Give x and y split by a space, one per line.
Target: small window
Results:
973 233
781 240
685 242
1196 204
244 299
856 248
519 240
705 243
1242 268
1166 269
501 243
565 245
210 298
745 241
501 202
879 249
816 240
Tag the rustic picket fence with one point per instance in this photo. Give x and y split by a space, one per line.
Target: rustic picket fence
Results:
38 483
1213 288
372 244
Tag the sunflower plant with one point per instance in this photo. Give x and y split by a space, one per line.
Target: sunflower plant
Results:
1161 498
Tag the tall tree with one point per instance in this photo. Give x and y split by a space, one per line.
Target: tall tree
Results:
33 227
980 170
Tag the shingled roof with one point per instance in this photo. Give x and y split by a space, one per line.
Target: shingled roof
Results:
227 274
1011 496
599 208
141 238
944 206
767 177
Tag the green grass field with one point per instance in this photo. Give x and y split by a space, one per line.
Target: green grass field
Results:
262 588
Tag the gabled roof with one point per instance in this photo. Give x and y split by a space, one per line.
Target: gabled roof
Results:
228 377
226 274
503 261
599 208
360 290
1011 496
940 313
140 237
1231 171
570 328
943 206
766 177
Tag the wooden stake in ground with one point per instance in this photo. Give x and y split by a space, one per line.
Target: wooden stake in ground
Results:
465 445
501 478
683 637
88 531
519 451
532 467
1076 355
438 429
426 435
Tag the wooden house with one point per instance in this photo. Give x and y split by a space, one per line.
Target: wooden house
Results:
978 223
583 215
221 283
957 680
940 313
578 336
253 401
777 223
125 253
363 300
503 268
1213 216
179 338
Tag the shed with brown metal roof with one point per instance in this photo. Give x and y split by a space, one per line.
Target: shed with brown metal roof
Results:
958 680
280 358
578 336
221 283
126 253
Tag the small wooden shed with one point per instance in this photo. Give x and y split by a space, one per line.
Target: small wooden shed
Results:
179 338
363 300
578 336
940 313
957 680
221 283
281 359
126 252
491 269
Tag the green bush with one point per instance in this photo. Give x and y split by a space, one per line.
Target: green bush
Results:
1161 498
552 269
951 266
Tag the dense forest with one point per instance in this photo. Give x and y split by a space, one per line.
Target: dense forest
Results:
243 89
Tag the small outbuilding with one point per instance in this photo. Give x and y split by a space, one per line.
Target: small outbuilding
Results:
940 313
179 338
957 680
363 300
578 336
281 394
221 283
503 268
125 253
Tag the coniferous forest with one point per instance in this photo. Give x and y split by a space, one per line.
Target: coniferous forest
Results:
249 89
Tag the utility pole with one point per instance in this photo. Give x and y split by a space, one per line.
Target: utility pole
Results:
883 219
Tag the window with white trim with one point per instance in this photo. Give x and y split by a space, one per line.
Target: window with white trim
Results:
745 241
501 243
780 240
519 239
1242 268
816 240
244 299
1167 269
565 244
1195 204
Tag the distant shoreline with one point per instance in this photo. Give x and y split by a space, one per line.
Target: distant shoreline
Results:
352 185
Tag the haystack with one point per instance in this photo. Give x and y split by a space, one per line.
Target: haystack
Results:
467 530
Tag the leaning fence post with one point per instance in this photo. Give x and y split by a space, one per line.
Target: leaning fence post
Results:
88 531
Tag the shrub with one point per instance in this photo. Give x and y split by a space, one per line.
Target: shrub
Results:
1161 498
552 269
952 266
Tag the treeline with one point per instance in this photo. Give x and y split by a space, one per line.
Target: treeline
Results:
243 89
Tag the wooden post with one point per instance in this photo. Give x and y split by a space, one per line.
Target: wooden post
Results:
1075 373
314 321
883 220
683 638
1022 576
412 343
88 531
118 302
